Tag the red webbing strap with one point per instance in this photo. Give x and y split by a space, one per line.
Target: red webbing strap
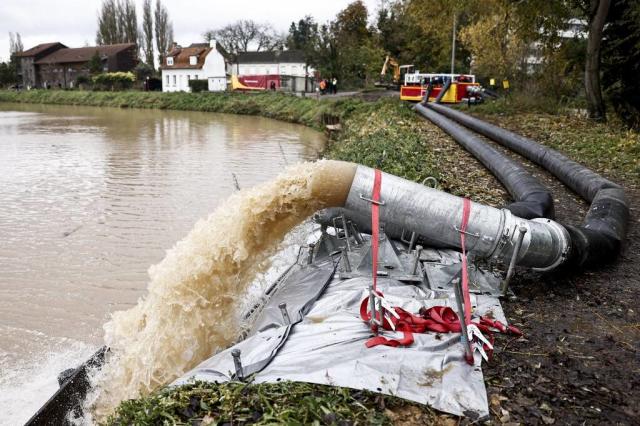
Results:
466 212
438 319
375 225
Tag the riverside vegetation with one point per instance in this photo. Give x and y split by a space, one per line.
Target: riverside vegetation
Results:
384 134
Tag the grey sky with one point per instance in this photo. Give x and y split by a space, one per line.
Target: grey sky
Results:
73 22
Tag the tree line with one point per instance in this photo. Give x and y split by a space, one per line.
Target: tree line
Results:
562 49
118 23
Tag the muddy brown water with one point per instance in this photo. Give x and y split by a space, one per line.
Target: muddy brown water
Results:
89 199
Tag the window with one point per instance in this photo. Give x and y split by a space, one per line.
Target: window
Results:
167 80
170 61
283 69
193 60
174 80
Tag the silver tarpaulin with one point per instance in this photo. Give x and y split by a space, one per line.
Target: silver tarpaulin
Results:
325 341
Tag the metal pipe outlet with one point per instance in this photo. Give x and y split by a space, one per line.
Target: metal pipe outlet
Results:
436 216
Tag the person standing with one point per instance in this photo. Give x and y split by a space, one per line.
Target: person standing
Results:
334 85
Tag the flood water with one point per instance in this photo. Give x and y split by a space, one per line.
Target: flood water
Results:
89 199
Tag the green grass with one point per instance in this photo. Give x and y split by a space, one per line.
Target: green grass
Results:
290 403
607 148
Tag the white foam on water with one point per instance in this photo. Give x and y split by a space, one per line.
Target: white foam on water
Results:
26 385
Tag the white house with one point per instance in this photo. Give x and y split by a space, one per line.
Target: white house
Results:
199 61
288 62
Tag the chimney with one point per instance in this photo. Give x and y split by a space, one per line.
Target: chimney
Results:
212 43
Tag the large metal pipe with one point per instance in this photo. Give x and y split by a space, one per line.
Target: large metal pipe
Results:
533 199
604 229
437 216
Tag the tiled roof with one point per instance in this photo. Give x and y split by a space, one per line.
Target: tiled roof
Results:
181 57
285 56
83 54
39 49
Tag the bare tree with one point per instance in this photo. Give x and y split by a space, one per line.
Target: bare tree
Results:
244 35
598 11
163 30
127 21
146 34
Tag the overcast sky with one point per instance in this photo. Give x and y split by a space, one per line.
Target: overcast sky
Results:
73 22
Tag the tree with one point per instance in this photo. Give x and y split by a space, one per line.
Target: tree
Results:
163 30
117 22
95 63
147 33
621 60
243 35
305 37
13 67
15 43
127 21
597 14
496 47
108 31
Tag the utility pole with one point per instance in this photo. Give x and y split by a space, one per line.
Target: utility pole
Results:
453 46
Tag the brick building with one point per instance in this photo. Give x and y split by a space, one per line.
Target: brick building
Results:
56 65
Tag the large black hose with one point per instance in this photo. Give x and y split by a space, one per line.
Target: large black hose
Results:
533 199
604 228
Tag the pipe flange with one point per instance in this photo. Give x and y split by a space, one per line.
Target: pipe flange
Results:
564 241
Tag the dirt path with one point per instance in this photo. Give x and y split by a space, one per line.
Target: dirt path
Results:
579 360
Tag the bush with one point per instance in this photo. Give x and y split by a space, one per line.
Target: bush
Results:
199 85
83 81
114 81
142 71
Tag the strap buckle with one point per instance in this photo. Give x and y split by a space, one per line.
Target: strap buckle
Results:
379 203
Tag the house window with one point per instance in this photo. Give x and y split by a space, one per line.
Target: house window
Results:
174 80
193 60
167 80
283 69
170 61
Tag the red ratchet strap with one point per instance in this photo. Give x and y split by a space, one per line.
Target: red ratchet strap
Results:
466 212
375 225
438 319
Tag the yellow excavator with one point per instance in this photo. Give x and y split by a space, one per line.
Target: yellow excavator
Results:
398 72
